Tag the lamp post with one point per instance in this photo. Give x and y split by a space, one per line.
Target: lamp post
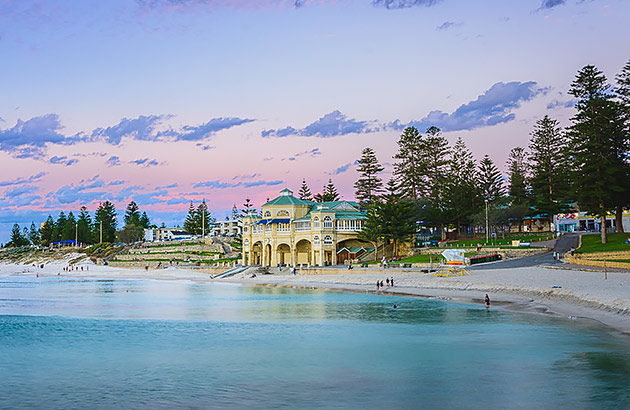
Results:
486 221
76 235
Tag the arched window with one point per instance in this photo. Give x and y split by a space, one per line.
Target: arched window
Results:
328 222
328 240
246 243
316 222
267 214
283 213
316 240
246 228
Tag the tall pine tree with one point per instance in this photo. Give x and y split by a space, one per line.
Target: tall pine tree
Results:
597 140
462 193
305 192
622 90
60 223
46 231
490 180
369 185
33 235
409 168
84 226
106 220
132 214
190 223
518 188
549 180
328 194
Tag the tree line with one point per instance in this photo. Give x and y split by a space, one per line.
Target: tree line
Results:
584 167
102 226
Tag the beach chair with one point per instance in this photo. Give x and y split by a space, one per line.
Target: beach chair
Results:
454 265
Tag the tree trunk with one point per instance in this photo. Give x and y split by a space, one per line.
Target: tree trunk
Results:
619 219
602 221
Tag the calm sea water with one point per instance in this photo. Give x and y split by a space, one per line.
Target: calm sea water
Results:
103 344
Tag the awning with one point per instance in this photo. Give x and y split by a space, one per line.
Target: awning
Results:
280 221
273 221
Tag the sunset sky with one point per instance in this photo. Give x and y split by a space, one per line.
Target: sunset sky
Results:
168 101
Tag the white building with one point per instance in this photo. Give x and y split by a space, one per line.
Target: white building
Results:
150 235
172 234
581 221
227 228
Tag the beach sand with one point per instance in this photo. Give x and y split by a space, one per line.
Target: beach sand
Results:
574 294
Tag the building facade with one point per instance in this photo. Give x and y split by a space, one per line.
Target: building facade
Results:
292 231
581 221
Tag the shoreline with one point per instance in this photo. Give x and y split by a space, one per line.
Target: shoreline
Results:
573 294
557 302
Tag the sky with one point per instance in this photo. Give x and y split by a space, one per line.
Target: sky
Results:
170 101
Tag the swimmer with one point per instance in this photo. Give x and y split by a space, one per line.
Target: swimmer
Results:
487 301
395 306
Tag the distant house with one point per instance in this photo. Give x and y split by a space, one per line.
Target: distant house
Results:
172 234
227 228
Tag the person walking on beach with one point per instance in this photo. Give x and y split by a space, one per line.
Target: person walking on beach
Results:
391 281
487 301
378 286
387 280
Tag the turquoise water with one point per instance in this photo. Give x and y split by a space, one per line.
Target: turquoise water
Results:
102 344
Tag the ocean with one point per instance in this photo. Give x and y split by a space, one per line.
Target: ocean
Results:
151 344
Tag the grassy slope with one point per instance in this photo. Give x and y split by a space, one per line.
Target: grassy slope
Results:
593 243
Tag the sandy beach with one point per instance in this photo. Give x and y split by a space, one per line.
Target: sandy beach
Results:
574 294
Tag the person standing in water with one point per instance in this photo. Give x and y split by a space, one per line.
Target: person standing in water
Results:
487 301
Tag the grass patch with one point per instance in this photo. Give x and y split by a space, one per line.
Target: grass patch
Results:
613 260
235 259
499 241
420 259
593 243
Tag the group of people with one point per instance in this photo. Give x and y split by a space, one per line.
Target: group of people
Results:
73 268
380 285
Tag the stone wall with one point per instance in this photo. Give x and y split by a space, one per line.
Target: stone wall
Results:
601 260
167 256
215 270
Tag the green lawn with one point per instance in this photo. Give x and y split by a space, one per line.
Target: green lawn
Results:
499 241
593 243
236 259
421 259
166 245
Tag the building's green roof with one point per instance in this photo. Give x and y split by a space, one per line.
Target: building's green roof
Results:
289 200
286 198
350 215
332 204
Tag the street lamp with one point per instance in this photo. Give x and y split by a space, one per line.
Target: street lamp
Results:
486 221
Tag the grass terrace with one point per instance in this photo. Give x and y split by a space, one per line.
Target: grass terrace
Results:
593 243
